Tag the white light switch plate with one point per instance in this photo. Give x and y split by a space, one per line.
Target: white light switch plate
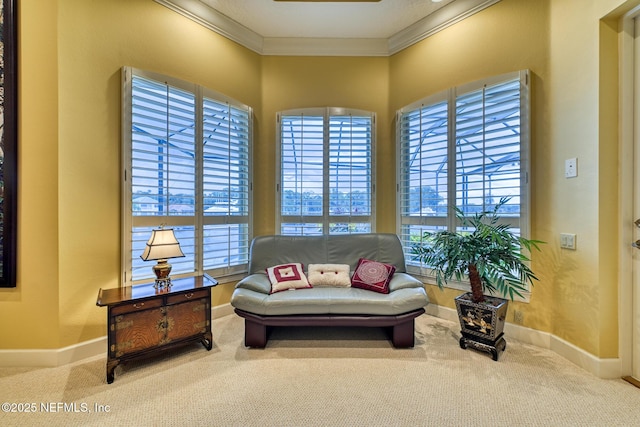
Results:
571 168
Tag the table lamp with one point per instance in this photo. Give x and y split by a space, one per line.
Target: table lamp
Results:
161 246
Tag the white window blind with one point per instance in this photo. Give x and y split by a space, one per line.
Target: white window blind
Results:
226 182
187 166
466 147
326 171
488 149
162 169
423 157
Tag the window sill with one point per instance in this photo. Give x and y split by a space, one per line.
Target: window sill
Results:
464 286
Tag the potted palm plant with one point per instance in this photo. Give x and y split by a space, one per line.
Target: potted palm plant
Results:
492 258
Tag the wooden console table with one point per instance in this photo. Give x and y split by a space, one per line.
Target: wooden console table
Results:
143 320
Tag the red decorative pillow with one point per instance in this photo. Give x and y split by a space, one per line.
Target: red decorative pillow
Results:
372 275
287 276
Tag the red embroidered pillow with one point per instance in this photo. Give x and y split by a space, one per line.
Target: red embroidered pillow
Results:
287 276
372 275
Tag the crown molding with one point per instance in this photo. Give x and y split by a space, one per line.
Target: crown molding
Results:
437 21
324 47
216 21
221 24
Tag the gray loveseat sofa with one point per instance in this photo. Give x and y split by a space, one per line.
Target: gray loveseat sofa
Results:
328 306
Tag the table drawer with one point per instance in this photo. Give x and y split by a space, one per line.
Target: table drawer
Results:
187 296
136 306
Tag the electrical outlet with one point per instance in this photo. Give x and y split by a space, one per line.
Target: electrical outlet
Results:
518 317
568 241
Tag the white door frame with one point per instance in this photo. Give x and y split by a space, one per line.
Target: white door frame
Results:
627 325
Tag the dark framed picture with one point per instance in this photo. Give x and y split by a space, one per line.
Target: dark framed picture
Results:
8 143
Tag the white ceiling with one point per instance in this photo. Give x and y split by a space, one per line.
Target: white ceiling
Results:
327 28
331 20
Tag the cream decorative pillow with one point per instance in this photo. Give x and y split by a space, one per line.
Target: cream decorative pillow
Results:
287 276
336 275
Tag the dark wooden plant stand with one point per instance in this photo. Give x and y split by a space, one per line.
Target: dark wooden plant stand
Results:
493 347
482 324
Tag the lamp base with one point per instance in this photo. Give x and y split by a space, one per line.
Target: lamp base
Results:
162 270
162 284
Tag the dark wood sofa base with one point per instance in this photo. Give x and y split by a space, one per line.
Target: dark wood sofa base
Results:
402 325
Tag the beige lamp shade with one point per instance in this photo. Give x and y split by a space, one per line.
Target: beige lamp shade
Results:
162 245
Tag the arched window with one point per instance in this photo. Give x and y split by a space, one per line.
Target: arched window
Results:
326 171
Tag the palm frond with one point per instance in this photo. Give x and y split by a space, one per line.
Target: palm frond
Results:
499 256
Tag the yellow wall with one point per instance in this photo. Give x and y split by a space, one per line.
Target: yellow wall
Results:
71 54
29 313
582 106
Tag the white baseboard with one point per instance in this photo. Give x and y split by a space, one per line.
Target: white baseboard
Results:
602 368
53 357
73 353
221 310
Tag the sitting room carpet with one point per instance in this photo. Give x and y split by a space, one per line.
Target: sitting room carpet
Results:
324 377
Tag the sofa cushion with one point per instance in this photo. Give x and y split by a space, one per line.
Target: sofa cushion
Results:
284 277
328 300
329 275
372 275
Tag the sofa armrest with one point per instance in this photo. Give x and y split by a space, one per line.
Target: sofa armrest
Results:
404 281
257 282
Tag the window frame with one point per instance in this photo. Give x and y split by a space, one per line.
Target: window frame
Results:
450 222
198 220
326 113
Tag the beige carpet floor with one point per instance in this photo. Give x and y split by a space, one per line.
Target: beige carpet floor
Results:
323 377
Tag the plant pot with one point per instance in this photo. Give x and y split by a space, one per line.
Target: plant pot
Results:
482 323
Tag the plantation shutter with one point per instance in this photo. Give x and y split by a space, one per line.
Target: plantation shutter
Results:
302 172
423 175
466 147
226 185
488 149
162 169
350 172
424 159
326 172
187 166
